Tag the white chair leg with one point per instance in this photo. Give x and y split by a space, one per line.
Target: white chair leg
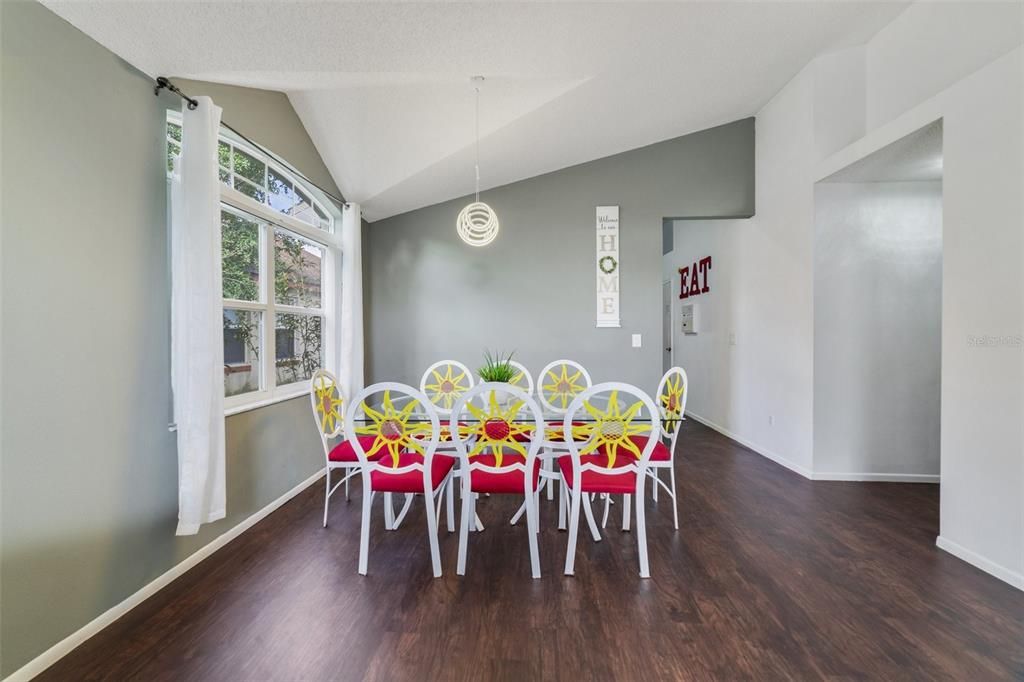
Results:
438 501
435 549
467 509
389 513
625 513
536 509
477 523
327 494
561 505
574 525
641 531
607 507
531 530
590 519
450 504
518 515
347 498
550 466
364 529
656 486
675 500
396 521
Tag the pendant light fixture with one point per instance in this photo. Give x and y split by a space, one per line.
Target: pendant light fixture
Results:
477 223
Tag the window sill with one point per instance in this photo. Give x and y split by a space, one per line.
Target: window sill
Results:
238 409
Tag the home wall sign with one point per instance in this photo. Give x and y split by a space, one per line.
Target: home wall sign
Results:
607 266
693 279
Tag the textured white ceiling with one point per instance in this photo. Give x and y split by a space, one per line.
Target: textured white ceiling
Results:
383 87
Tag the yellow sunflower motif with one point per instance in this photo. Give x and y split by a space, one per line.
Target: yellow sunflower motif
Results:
446 388
391 429
562 388
519 380
672 398
611 429
496 428
328 404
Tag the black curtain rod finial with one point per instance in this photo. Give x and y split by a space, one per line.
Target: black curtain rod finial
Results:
162 82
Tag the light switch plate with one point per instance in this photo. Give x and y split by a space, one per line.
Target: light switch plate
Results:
636 341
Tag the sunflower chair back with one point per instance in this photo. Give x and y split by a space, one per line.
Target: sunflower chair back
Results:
328 401
671 406
499 429
444 383
672 394
557 384
522 379
609 454
394 430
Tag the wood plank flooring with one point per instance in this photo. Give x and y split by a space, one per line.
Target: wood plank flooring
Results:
770 576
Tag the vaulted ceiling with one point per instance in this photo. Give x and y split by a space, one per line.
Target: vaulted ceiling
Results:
383 87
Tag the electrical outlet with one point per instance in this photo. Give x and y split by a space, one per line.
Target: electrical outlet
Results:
636 341
732 338
771 420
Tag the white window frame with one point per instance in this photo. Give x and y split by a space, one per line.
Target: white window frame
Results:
330 278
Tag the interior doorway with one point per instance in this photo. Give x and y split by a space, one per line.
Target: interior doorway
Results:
878 315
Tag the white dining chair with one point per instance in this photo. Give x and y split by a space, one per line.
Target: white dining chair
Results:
401 457
328 402
672 391
494 460
606 455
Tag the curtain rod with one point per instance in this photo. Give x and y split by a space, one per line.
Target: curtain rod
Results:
163 83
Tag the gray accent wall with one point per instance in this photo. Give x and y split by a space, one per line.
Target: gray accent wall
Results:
89 468
532 290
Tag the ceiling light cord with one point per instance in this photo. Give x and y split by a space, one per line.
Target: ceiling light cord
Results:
477 89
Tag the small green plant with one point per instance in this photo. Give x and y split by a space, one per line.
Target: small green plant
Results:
497 367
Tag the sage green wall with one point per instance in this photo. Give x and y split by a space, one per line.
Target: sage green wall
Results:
88 496
532 290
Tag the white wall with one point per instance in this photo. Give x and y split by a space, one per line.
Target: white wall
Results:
982 440
707 356
932 45
983 386
877 330
952 61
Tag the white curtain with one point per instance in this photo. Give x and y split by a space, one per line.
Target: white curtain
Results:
197 340
351 366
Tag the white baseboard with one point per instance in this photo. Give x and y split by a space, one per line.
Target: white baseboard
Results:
880 478
66 645
960 552
778 459
815 475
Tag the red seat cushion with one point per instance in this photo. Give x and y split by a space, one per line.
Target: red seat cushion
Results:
593 482
344 452
505 482
410 481
661 453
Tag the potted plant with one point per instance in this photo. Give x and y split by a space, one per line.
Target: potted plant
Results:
498 367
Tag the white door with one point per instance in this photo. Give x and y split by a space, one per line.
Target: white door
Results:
666 327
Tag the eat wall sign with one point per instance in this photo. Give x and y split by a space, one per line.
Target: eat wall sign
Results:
693 279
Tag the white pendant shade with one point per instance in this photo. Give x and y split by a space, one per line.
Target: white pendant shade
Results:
477 224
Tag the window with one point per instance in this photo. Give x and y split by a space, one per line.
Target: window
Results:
278 243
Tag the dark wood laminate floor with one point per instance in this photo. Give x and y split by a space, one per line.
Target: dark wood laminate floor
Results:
770 576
